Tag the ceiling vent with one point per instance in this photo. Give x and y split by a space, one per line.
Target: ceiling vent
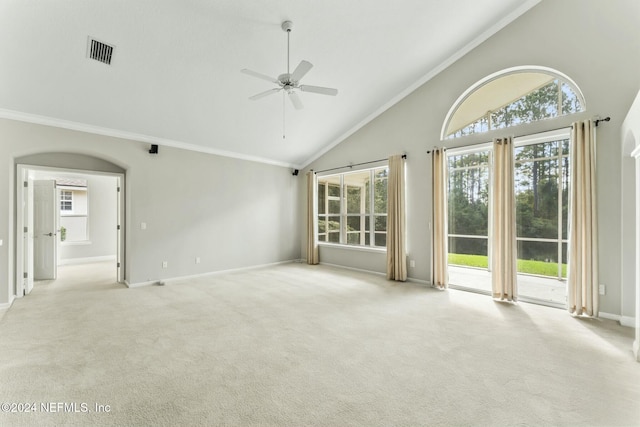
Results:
99 51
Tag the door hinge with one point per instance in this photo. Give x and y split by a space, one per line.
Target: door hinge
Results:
118 189
26 184
26 229
118 227
25 275
118 265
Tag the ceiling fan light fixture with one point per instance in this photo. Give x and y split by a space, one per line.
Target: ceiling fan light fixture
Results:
290 81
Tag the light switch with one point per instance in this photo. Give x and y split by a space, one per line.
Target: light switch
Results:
143 226
0 242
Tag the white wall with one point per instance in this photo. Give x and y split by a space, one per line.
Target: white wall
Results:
596 43
231 213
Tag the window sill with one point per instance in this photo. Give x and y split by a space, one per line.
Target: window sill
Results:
353 247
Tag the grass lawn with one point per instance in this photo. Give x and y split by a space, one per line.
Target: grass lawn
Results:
524 266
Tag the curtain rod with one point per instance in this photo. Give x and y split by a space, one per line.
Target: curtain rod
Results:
404 156
596 123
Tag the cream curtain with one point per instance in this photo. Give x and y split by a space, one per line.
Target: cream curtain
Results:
503 222
583 233
439 267
312 239
396 229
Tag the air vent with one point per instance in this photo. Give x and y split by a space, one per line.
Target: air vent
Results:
100 51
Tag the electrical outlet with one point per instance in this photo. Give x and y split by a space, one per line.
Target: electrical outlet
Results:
165 264
602 289
197 260
412 263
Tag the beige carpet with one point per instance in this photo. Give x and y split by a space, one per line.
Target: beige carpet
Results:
297 345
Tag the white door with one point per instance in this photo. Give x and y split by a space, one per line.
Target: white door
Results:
45 225
119 231
27 200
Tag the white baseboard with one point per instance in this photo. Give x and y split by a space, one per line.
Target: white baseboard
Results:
89 260
409 279
609 316
420 282
636 350
7 305
361 270
628 321
623 320
211 273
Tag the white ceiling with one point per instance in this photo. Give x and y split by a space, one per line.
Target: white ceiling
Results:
175 77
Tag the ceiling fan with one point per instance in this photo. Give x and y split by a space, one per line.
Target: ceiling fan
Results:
290 82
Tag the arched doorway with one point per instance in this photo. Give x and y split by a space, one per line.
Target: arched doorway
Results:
50 165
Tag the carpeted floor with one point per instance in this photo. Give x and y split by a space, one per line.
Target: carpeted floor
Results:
298 345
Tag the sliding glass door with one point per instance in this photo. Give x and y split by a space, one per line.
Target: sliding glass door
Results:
541 171
468 203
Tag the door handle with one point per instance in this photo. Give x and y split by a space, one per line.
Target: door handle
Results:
49 234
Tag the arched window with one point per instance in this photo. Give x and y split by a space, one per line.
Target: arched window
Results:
512 97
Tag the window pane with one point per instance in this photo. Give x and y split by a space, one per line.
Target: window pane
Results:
353 223
381 223
321 198
536 186
536 105
381 239
355 187
468 246
536 151
354 238
334 206
380 201
354 199
539 258
328 228
468 199
469 252
570 101
334 189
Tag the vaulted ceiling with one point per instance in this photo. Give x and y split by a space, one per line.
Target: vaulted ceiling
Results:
175 73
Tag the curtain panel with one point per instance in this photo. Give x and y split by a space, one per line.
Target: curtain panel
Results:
312 238
396 227
439 241
583 233
503 221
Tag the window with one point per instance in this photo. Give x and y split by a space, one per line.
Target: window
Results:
66 201
541 185
542 204
468 203
510 98
352 208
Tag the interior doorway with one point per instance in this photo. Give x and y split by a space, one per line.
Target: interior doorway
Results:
67 217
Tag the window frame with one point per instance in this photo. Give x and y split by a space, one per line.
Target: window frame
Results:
561 77
549 136
64 200
371 215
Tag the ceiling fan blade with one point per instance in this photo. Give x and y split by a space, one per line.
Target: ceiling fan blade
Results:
295 100
302 69
265 93
319 89
260 76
